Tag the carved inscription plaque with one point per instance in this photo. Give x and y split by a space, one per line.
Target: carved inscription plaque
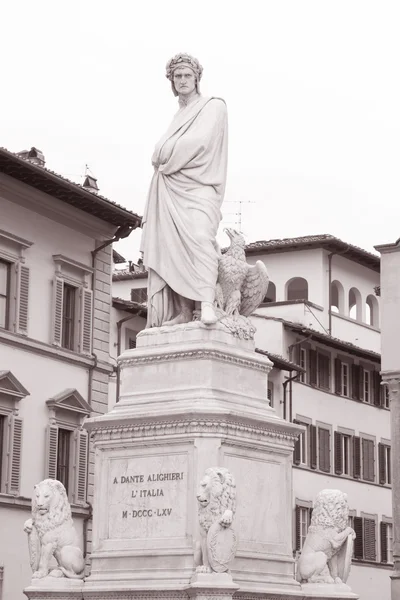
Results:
147 496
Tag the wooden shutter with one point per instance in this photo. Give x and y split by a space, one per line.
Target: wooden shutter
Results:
324 450
86 321
58 293
313 446
368 460
382 464
51 451
369 539
81 466
297 446
356 457
377 388
356 382
338 376
298 528
359 541
132 345
384 541
338 437
312 359
22 299
14 478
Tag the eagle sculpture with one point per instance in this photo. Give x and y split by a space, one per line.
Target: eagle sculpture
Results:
240 287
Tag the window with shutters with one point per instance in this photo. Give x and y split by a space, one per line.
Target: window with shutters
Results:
67 443
319 372
385 397
324 449
343 453
342 378
139 295
385 464
14 283
303 512
345 388
11 431
368 459
72 306
365 542
386 535
302 446
303 364
366 386
5 293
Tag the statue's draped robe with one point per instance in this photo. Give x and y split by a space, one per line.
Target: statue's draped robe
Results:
183 209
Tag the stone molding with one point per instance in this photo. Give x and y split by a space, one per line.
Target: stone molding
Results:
215 426
195 354
133 595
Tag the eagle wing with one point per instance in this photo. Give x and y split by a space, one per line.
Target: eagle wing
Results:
254 288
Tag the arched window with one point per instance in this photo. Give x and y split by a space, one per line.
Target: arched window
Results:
270 296
372 311
337 297
297 289
355 309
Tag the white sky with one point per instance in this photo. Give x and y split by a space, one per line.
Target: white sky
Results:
312 89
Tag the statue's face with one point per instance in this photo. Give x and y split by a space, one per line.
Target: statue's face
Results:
184 80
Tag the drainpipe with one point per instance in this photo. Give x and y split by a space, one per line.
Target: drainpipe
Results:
122 232
284 385
290 380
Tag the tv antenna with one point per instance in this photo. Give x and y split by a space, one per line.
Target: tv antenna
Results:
238 214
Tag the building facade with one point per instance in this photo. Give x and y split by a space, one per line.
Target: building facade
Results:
55 365
319 324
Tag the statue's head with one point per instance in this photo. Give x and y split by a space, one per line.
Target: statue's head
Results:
184 72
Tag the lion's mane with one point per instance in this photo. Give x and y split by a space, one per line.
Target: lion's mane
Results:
59 512
331 510
221 489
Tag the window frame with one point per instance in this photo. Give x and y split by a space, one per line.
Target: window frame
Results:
69 275
67 412
12 251
303 362
387 523
7 295
385 467
303 442
327 428
11 392
364 437
302 507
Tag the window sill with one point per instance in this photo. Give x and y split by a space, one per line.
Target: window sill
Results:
360 562
347 477
31 345
22 503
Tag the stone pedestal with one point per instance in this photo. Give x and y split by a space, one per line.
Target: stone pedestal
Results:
192 397
51 588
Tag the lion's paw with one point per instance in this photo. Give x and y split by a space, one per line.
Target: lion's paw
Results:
28 525
39 574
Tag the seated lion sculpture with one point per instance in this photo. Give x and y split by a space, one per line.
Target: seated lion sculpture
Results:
217 505
51 533
327 551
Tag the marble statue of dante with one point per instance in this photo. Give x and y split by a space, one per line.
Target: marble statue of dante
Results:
182 214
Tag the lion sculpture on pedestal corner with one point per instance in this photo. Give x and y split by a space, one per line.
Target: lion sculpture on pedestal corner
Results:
51 533
216 499
327 551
